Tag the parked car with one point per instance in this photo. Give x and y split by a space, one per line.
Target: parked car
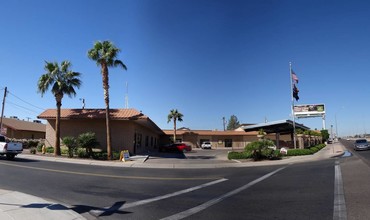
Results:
178 147
330 141
206 145
10 149
361 144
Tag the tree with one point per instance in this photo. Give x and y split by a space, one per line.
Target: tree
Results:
105 54
62 82
233 123
325 135
174 115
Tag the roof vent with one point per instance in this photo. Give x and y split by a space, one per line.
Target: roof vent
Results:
37 121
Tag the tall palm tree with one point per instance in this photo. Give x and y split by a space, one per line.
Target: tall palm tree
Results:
62 81
105 54
174 115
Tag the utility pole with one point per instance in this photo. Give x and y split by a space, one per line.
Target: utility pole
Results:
2 110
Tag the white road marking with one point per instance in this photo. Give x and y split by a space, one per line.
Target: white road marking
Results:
204 206
340 211
146 201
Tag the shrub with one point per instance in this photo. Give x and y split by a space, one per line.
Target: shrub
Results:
32 143
71 144
81 153
104 155
33 150
50 150
39 147
88 141
259 149
239 155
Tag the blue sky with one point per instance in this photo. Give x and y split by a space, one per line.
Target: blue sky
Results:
209 59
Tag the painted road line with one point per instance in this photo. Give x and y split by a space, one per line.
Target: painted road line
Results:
340 211
204 206
146 201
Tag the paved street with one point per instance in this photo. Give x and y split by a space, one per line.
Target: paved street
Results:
280 192
294 190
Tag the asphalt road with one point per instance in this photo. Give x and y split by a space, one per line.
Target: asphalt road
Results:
297 191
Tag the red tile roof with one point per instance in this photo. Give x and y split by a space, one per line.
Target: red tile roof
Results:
118 114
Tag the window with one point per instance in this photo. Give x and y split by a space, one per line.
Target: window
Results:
228 142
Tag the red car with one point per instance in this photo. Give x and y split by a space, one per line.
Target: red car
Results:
179 147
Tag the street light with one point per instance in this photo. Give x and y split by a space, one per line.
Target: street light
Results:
331 131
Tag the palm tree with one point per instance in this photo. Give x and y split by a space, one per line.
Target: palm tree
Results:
62 81
174 115
105 54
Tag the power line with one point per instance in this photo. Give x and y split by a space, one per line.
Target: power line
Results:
30 110
25 101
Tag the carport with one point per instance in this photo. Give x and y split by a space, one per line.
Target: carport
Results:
277 127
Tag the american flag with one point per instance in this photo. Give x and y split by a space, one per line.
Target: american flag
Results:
294 77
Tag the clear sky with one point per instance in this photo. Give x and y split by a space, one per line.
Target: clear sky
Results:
207 58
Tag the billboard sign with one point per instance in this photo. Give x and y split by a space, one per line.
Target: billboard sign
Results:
305 111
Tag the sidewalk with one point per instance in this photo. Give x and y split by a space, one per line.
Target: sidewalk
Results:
20 206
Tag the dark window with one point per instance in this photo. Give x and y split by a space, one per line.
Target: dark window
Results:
228 142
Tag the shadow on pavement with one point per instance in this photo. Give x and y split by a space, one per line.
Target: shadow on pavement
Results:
17 159
116 208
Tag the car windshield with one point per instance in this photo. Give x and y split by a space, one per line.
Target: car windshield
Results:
362 141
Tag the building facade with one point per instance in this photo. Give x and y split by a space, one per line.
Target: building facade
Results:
130 129
20 129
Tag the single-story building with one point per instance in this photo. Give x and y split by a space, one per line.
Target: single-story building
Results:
130 129
233 139
20 129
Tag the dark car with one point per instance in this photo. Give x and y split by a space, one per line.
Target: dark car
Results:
361 144
178 147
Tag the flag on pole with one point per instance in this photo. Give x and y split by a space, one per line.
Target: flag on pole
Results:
294 77
295 92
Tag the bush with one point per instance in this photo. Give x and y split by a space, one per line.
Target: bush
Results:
260 150
71 144
88 141
239 155
32 143
50 150
81 153
39 147
33 150
104 155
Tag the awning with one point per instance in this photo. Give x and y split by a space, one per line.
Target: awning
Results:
282 127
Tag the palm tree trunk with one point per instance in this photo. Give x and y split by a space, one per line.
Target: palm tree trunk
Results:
107 111
174 130
58 99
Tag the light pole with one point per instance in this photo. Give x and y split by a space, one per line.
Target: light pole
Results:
331 131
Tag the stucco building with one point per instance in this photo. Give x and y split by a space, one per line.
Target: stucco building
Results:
130 129
20 129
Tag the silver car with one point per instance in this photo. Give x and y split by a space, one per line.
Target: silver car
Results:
361 144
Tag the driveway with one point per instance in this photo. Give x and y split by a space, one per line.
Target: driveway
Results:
197 155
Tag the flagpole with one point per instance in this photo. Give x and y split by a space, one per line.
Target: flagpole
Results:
291 93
